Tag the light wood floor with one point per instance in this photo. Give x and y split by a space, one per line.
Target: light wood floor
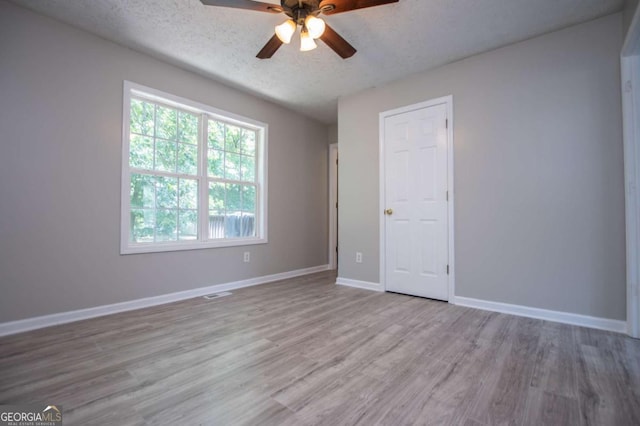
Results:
305 351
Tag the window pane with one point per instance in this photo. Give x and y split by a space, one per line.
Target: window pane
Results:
166 123
188 229
141 117
166 192
232 166
234 136
142 226
248 225
166 225
215 163
248 210
249 199
216 210
188 127
142 192
216 197
216 134
141 152
249 143
188 194
234 198
248 166
187 159
166 156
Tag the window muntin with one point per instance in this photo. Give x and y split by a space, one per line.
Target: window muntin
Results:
195 178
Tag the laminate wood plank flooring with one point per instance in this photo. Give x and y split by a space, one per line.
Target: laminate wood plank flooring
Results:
304 351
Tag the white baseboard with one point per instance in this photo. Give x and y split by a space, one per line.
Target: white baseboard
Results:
544 314
20 326
359 284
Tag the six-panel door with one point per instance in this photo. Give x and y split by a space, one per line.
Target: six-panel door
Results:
416 230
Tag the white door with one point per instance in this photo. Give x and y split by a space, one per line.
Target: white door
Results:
415 200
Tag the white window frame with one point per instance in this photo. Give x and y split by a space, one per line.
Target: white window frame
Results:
202 242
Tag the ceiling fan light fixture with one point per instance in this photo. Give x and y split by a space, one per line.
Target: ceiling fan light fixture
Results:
286 30
306 41
315 26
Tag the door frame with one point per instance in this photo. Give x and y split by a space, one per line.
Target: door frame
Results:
333 206
448 102
630 70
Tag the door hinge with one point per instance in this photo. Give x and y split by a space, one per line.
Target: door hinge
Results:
336 205
446 123
447 269
336 161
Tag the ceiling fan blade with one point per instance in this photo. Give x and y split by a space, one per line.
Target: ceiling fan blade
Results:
337 43
270 48
347 5
244 4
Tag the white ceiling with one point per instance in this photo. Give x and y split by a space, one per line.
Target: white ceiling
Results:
393 41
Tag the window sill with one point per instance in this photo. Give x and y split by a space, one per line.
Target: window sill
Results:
190 245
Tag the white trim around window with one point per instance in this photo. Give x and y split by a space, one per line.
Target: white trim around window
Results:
201 238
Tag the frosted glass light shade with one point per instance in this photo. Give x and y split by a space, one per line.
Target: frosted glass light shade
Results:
285 31
306 42
315 26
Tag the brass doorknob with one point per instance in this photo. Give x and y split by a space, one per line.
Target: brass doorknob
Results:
388 212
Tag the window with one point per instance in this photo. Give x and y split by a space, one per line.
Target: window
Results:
193 176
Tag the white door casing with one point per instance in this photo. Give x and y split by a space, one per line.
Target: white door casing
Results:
630 67
416 215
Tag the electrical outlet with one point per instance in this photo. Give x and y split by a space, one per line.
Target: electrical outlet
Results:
247 257
358 257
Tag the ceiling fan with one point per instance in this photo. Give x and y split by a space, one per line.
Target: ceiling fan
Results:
303 13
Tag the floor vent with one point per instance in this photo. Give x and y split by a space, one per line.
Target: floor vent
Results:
216 295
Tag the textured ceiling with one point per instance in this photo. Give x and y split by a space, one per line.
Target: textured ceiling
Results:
393 41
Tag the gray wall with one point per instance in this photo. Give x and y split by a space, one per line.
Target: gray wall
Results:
630 7
539 201
60 130
332 133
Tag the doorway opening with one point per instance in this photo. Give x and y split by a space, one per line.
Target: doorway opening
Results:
333 206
